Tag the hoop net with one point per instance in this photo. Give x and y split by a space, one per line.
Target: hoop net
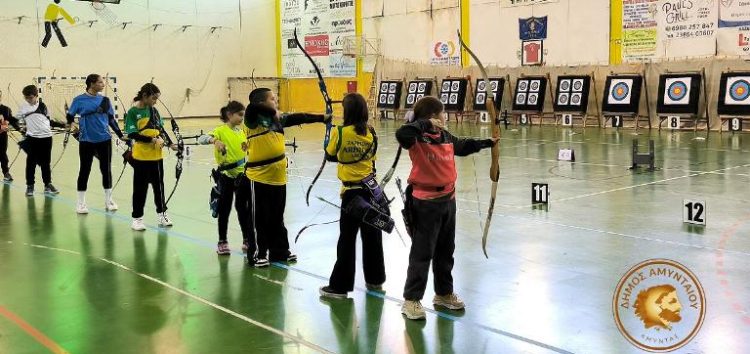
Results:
103 12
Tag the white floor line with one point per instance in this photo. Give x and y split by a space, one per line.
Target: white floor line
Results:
249 320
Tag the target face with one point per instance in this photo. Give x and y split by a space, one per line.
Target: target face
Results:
677 91
620 92
565 85
412 87
455 86
523 85
419 96
446 86
533 97
535 85
480 98
578 85
422 87
410 99
575 99
384 87
494 85
563 99
383 98
393 87
738 91
482 86
444 98
453 99
391 99
521 98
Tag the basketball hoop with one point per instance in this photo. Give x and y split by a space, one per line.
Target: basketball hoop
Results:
98 5
103 12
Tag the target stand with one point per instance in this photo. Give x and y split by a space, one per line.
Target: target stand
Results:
452 94
621 100
389 99
416 89
679 99
734 101
528 99
571 99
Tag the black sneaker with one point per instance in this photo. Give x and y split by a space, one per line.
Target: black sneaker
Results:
7 177
258 262
327 291
29 191
50 189
291 257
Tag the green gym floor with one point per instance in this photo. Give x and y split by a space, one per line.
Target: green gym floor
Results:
88 284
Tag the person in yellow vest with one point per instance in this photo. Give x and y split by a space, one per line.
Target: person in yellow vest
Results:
266 170
230 155
354 146
50 22
144 126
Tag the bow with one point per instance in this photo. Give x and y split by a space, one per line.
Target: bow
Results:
389 174
329 112
180 152
65 140
495 167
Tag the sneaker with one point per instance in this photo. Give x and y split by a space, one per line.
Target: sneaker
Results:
258 262
413 310
327 291
7 177
81 208
450 301
138 224
374 287
222 248
110 205
29 191
163 220
291 257
50 189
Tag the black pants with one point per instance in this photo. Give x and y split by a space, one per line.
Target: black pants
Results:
433 239
269 203
4 152
86 153
342 277
240 194
145 173
48 26
39 154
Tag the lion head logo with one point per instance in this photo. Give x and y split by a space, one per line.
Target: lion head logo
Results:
658 306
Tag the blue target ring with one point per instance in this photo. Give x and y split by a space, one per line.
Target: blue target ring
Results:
677 91
740 90
620 91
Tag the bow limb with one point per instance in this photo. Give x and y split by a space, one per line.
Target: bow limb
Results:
180 149
389 174
495 167
329 112
65 140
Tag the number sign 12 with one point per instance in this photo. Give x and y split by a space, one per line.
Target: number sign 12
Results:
694 212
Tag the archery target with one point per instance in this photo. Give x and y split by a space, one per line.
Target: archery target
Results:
533 98
481 98
738 91
390 94
521 98
391 99
444 98
563 99
575 99
494 85
564 85
420 96
620 92
677 91
482 86
523 85
455 86
578 85
453 99
384 87
535 85
393 87
412 87
446 86
422 87
383 98
410 99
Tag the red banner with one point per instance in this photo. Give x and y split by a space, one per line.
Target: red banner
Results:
317 46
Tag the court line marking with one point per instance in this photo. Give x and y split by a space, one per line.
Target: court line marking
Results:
191 239
32 331
227 311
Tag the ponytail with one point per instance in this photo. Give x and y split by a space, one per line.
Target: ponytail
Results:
147 90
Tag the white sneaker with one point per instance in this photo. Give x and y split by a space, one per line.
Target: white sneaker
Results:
138 225
110 205
163 220
81 208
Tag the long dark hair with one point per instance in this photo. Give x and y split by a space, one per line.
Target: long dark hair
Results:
92 79
426 107
231 108
355 112
147 90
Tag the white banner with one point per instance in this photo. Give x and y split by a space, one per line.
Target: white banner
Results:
687 28
512 3
734 28
321 27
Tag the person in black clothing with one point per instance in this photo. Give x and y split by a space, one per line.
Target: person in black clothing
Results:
6 121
